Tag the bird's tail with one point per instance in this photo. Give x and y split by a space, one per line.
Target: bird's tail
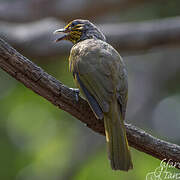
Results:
117 144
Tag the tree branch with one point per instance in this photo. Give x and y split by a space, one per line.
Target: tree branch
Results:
36 39
58 94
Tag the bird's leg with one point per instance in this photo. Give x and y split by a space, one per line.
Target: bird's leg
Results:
76 91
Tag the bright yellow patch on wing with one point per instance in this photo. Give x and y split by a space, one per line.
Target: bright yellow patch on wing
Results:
107 136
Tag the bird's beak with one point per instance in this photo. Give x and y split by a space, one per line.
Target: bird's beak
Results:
58 31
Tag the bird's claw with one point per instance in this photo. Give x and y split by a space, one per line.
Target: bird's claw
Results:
76 91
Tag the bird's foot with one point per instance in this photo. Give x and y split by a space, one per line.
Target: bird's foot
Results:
76 91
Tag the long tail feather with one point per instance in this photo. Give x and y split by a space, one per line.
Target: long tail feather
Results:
118 148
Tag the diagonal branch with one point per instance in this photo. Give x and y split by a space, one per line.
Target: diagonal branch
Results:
36 79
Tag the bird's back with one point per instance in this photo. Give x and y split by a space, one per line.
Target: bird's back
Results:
93 51
102 62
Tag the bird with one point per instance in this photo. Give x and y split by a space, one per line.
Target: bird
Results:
101 76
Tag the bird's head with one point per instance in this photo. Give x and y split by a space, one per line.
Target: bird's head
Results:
79 30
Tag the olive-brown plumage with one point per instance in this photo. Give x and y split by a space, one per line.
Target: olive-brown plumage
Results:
101 76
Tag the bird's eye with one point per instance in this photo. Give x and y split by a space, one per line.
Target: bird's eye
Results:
74 24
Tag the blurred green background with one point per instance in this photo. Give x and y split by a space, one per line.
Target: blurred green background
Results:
41 142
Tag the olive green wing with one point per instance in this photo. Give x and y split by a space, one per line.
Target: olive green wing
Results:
90 98
122 88
100 76
93 75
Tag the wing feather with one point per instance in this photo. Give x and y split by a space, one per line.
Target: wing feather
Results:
92 101
101 73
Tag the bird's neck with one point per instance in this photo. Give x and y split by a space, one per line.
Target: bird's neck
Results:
92 34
